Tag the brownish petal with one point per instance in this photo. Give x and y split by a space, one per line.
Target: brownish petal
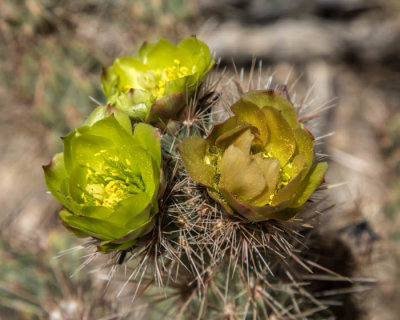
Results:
220 129
166 108
241 175
262 213
227 138
193 151
248 112
269 98
269 168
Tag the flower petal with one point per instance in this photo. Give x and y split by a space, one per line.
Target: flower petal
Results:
161 54
55 174
166 107
134 211
227 138
270 169
100 229
248 112
305 145
281 144
314 178
81 149
268 98
194 151
256 213
244 141
295 172
128 69
149 139
220 129
199 53
128 240
136 103
240 175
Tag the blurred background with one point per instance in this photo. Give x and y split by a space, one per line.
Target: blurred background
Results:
339 55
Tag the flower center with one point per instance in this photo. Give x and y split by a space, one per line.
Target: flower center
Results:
155 80
113 181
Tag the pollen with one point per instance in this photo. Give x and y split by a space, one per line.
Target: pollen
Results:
111 182
155 81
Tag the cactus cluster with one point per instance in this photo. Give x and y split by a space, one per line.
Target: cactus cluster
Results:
213 212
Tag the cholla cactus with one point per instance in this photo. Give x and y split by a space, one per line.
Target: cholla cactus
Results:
154 85
108 179
258 163
232 210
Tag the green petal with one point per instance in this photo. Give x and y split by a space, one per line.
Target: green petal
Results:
144 166
55 174
179 85
78 233
240 175
100 229
111 129
82 144
193 151
82 150
162 54
281 144
195 47
128 69
267 98
144 50
149 139
127 240
97 114
251 114
123 120
200 54
99 212
132 212
77 182
314 178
